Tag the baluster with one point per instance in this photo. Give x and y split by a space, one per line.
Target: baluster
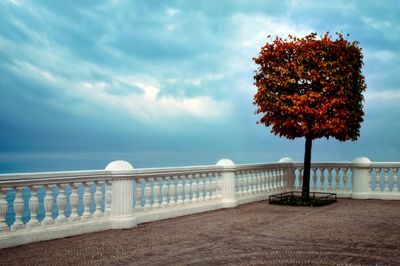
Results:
194 188
3 210
370 179
248 183
301 175
162 196
348 179
191 188
378 179
213 185
386 180
149 193
182 191
259 181
61 202
267 180
109 185
204 191
256 182
87 199
98 195
335 180
313 180
273 180
168 196
205 194
270 180
200 187
141 201
281 179
239 182
296 179
217 185
186 188
244 182
323 180
174 196
139 195
330 179
341 180
262 181
33 208
179 190
18 209
156 193
395 180
278 179
48 205
210 186
320 178
253 181
74 201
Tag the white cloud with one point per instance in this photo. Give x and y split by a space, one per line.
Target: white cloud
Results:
381 55
172 12
253 29
383 96
150 105
27 69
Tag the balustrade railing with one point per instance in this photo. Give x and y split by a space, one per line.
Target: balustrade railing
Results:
384 178
40 206
326 177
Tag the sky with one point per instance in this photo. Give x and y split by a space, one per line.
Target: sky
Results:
170 83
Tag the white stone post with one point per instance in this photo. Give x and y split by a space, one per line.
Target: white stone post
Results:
228 183
288 174
122 212
360 168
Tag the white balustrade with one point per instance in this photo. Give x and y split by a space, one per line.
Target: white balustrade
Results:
68 203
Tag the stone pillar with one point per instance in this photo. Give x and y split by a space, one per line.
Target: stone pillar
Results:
122 212
288 173
360 168
228 183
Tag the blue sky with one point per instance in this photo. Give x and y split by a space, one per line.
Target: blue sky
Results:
170 83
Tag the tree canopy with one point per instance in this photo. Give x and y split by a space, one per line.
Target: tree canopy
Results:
311 87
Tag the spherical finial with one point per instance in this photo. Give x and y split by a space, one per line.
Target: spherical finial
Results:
225 162
286 160
119 166
361 161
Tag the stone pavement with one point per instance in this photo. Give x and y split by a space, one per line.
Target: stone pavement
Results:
349 232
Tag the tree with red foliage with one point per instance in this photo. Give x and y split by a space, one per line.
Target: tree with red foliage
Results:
310 87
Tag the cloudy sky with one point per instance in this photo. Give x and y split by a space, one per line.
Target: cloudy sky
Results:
170 83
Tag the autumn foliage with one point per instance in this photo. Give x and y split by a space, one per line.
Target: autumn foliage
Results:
311 87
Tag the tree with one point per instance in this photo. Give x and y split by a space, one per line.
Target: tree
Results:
310 87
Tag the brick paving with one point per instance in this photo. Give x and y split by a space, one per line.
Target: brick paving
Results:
349 232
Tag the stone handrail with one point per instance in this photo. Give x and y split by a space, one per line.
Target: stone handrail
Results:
41 206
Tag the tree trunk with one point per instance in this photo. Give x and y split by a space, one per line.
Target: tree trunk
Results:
305 193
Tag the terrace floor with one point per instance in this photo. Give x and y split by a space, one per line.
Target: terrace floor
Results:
349 232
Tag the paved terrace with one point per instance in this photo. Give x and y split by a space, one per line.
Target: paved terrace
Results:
350 232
